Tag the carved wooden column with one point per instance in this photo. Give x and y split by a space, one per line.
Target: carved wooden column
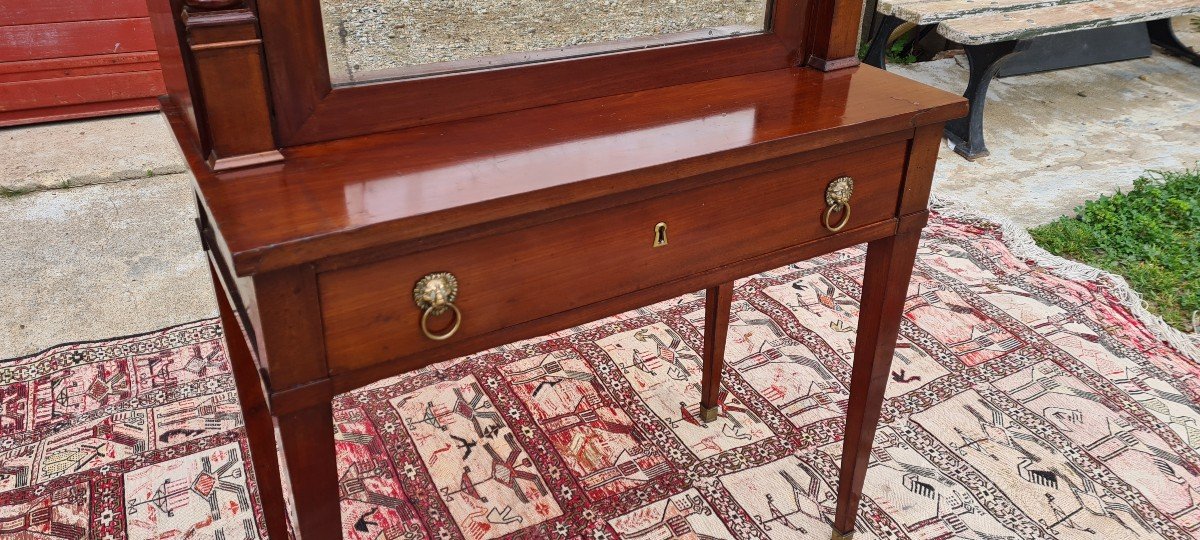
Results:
228 78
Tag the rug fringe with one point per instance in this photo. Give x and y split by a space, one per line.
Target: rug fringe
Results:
1022 245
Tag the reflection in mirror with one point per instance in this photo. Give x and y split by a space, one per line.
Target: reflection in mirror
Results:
372 39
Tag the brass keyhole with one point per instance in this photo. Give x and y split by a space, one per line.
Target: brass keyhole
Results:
660 235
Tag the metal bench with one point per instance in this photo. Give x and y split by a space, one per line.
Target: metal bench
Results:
994 32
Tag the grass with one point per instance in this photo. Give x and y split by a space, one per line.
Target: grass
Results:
1150 236
6 192
899 52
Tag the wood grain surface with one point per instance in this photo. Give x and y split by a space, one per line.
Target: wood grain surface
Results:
1023 24
309 108
539 187
365 192
934 11
530 273
82 38
17 12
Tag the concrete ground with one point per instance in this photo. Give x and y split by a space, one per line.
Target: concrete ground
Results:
99 261
122 257
52 156
1059 139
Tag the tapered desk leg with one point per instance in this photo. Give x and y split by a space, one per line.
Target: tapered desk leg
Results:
885 286
716 326
306 437
260 429
309 453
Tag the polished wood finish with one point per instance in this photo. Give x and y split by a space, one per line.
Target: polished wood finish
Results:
717 301
587 313
326 278
310 108
291 356
260 428
287 318
581 260
834 35
228 73
918 175
885 288
416 183
539 186
307 439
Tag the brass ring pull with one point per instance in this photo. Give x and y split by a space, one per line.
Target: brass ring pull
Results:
841 224
435 294
444 335
837 199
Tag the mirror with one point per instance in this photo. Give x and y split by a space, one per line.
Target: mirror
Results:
390 39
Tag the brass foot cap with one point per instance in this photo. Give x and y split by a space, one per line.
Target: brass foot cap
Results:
843 536
707 414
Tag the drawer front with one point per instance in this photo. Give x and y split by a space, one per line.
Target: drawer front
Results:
515 277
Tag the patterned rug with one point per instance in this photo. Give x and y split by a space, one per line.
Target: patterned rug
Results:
1021 405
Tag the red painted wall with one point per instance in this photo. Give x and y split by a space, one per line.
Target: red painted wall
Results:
63 59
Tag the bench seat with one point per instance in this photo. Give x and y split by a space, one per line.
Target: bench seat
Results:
994 32
924 12
1007 26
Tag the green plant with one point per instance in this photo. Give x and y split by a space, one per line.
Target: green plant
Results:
1150 235
896 52
6 192
899 52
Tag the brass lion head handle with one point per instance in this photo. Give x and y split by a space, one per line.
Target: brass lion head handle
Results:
837 199
435 294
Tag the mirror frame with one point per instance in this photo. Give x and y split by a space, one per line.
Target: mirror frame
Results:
308 107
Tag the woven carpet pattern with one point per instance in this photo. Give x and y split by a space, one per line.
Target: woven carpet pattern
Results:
1020 405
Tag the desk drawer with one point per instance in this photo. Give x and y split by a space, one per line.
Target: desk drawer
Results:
514 277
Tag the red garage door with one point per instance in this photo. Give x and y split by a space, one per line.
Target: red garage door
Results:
62 59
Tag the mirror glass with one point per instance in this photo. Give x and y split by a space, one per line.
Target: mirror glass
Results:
381 39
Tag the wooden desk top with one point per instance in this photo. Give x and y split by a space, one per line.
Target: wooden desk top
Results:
338 197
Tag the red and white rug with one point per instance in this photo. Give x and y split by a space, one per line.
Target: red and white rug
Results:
1021 405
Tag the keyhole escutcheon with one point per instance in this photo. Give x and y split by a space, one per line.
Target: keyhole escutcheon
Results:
660 234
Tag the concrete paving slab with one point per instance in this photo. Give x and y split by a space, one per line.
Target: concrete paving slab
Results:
99 261
1058 139
51 156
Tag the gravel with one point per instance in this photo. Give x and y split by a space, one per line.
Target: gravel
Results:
369 35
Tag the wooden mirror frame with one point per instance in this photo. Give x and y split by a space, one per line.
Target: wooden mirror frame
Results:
310 108
267 65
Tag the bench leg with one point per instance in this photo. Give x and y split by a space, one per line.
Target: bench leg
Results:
986 60
1163 35
877 51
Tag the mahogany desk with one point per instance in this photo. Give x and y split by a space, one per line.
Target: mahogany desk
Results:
549 218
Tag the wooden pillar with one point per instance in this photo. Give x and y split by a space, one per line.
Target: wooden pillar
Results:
834 32
225 52
292 353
